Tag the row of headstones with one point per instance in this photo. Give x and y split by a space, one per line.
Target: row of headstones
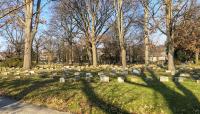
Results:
103 77
176 79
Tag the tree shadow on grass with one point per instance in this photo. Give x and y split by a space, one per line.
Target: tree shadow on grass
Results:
17 85
186 103
93 98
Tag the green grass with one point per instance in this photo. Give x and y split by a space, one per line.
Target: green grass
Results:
134 96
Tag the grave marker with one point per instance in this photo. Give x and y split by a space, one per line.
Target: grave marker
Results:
120 79
104 78
62 80
164 79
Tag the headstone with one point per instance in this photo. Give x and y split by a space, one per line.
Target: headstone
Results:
62 80
100 73
135 71
168 71
178 79
120 79
198 81
184 75
89 75
77 73
32 72
104 78
164 79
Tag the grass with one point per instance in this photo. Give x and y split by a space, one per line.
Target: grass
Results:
136 95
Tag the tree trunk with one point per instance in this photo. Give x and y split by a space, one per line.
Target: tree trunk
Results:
88 48
197 56
27 52
171 65
170 36
123 55
28 34
94 49
70 54
121 33
94 54
146 32
37 54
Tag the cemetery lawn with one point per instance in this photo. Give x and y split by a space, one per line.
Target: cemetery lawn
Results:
137 95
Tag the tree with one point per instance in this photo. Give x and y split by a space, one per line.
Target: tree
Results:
119 11
170 35
30 29
187 31
15 38
146 30
92 18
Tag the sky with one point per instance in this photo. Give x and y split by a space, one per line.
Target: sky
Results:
158 38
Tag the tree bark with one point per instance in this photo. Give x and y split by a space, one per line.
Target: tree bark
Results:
37 54
28 34
170 35
121 32
70 54
88 48
197 56
94 50
146 32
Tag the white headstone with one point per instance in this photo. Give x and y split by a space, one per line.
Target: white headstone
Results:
164 79
77 73
185 75
89 75
120 79
32 72
62 80
104 78
168 71
198 81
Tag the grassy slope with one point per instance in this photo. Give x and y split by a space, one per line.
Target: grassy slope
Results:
138 96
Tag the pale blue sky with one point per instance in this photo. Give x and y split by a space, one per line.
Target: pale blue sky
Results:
157 37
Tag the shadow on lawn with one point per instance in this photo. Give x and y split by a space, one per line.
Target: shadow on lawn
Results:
35 85
177 103
94 100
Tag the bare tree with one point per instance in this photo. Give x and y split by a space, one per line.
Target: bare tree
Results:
120 19
92 18
15 37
